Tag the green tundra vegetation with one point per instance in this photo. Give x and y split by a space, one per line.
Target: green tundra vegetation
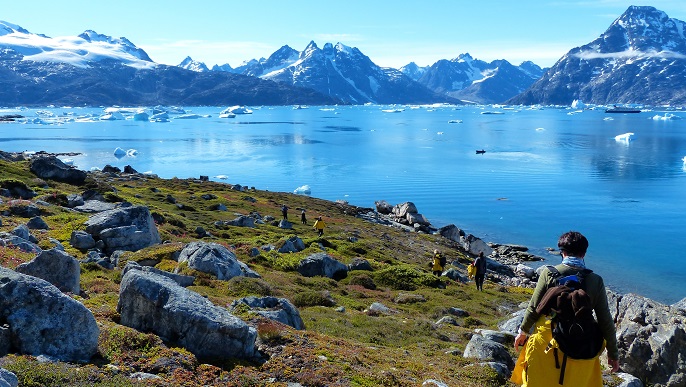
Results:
342 343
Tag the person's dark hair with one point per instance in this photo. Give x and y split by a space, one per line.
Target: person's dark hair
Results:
481 254
573 243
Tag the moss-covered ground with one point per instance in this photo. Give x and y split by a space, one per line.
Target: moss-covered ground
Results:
342 345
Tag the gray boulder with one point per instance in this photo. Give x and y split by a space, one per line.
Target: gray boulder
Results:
469 242
20 243
277 309
285 224
241 221
180 279
321 264
81 240
629 380
58 327
25 210
37 223
292 245
360 264
56 267
215 259
417 219
484 349
455 275
512 324
74 200
51 167
8 379
94 207
401 210
22 231
150 302
651 339
383 207
126 228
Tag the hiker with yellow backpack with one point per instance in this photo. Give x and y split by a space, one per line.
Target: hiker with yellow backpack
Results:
566 346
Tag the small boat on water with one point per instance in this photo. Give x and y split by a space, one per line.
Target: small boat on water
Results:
622 109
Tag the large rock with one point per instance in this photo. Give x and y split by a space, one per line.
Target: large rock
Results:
292 245
214 259
81 240
469 242
44 321
51 167
383 207
182 280
128 228
8 379
56 267
321 264
651 339
401 210
484 349
278 309
20 243
150 302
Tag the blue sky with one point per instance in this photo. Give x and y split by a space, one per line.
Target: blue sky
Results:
391 33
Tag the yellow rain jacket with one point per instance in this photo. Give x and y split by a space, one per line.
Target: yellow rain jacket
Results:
536 368
471 271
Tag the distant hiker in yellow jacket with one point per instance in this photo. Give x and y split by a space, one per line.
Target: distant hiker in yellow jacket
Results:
319 225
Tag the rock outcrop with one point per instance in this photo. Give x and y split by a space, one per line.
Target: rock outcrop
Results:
321 264
214 259
50 167
55 266
277 309
128 228
44 321
150 302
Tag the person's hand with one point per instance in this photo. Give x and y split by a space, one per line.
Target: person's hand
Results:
520 340
614 364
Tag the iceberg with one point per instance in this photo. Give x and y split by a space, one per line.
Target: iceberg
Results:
141 115
666 117
303 190
236 110
189 116
112 116
626 137
131 152
119 153
221 177
455 121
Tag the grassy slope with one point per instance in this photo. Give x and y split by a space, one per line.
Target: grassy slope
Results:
337 348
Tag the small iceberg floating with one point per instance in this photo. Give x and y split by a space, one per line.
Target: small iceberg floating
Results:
221 177
455 121
112 116
132 152
393 110
666 117
303 190
119 153
141 115
626 137
608 119
189 116
236 110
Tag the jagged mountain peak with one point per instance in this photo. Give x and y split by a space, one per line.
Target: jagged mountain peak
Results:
640 58
189 64
9 28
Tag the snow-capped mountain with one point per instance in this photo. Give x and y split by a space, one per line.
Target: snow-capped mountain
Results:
413 71
640 58
477 81
95 69
81 51
189 64
341 72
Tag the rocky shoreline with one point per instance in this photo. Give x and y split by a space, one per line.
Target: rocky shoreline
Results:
651 336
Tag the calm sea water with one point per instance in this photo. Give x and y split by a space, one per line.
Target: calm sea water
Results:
544 171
